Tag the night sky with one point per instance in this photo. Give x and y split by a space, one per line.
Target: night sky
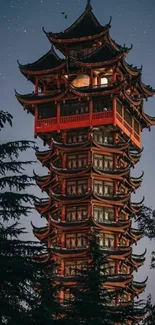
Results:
21 36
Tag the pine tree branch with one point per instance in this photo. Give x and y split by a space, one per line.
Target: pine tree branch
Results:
14 166
5 117
12 149
20 182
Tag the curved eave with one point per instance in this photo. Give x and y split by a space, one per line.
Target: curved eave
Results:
134 235
99 64
99 91
140 256
137 180
66 253
42 258
112 227
28 73
32 99
71 226
125 251
116 46
135 72
56 38
117 148
76 32
139 286
43 207
147 90
45 156
148 119
134 207
115 200
131 99
114 174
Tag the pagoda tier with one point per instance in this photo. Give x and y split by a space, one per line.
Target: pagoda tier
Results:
82 99
89 185
88 109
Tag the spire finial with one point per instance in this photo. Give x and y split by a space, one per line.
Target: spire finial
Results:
88 5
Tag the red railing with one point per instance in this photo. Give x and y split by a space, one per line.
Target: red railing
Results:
101 115
125 127
47 121
86 120
74 118
65 122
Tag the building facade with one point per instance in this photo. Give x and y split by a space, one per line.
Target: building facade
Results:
88 108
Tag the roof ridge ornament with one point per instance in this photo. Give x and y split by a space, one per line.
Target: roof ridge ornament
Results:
88 5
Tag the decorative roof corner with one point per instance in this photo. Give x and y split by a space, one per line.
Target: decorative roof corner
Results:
88 5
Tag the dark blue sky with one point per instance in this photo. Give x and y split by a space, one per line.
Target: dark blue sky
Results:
21 37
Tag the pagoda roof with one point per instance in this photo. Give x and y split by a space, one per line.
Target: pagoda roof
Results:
60 94
85 27
104 55
110 148
90 168
47 63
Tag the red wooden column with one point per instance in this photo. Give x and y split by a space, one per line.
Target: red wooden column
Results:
49 239
62 268
91 78
90 111
35 120
62 240
58 116
114 110
64 137
114 76
58 81
36 85
63 210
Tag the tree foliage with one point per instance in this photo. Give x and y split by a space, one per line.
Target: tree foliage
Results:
91 302
16 268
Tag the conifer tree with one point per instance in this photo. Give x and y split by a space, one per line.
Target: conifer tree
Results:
92 303
28 294
16 267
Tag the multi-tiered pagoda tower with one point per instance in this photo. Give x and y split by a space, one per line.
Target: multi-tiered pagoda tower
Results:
88 108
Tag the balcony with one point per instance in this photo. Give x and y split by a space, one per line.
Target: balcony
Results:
86 120
73 121
128 130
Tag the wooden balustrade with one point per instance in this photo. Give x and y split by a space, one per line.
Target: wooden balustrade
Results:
83 120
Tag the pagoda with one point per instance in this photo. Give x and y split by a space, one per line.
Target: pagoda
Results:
88 109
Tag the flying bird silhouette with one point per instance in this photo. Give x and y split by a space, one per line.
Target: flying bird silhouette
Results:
64 13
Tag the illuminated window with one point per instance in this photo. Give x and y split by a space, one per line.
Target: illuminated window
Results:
74 214
107 240
103 188
103 214
74 241
82 80
77 161
122 242
77 187
103 137
109 268
124 269
104 81
103 162
77 137
73 268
